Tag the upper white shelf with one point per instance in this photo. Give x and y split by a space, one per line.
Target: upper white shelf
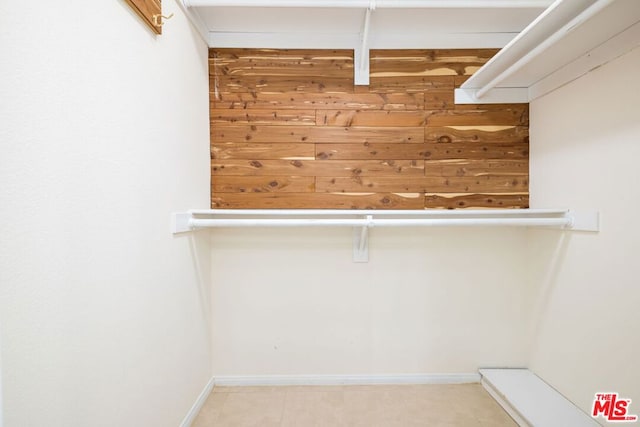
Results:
569 39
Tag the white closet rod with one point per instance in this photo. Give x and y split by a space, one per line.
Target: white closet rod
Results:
366 3
363 220
390 212
381 222
216 218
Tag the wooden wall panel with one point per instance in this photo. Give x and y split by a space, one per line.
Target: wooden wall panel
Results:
263 117
370 151
490 201
316 168
290 130
477 134
221 133
349 118
322 101
263 184
262 151
317 201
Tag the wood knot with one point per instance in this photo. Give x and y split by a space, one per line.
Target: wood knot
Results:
297 163
255 164
444 139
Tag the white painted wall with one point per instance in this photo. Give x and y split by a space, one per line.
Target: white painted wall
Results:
585 143
104 314
430 301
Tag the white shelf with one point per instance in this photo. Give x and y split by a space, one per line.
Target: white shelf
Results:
530 401
569 39
363 220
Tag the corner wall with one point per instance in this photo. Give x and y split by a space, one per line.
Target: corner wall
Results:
104 315
584 149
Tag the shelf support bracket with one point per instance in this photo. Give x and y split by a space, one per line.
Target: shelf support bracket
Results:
361 52
181 222
361 241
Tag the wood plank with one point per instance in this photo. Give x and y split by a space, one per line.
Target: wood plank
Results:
475 168
434 55
489 183
517 115
439 99
475 151
261 134
367 151
407 168
234 52
389 69
263 117
494 107
410 84
477 184
430 151
262 151
300 101
386 184
474 201
394 63
348 118
338 66
477 134
281 62
262 184
280 84
316 201
459 80
315 134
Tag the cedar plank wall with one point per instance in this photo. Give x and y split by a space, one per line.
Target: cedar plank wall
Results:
290 130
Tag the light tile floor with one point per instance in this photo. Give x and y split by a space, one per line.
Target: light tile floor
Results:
464 405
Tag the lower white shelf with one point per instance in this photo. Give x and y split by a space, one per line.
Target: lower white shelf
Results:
363 220
530 401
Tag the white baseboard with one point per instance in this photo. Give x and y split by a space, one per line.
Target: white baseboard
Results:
195 409
282 380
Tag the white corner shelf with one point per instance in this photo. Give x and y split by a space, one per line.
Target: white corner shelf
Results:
363 220
530 401
569 39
